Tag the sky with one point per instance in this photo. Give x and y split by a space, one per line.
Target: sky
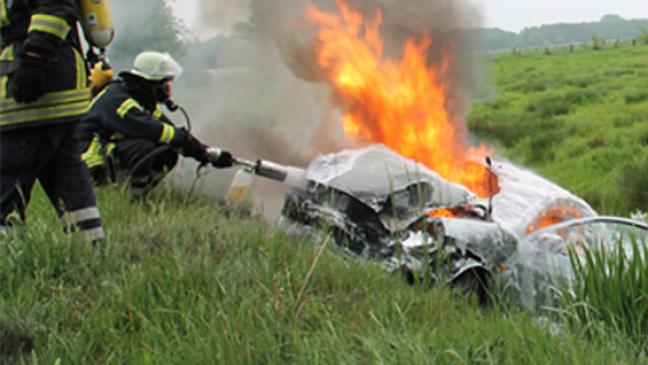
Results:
511 15
514 15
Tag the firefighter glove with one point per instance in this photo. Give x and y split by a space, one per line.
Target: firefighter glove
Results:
195 149
100 75
28 82
224 160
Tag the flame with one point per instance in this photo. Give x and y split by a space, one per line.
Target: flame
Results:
553 216
441 213
399 103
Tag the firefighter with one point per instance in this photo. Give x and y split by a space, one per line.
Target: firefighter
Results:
126 132
43 95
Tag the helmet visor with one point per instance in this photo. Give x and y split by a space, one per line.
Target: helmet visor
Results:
168 68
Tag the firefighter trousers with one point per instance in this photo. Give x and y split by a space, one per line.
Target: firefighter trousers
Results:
51 155
145 163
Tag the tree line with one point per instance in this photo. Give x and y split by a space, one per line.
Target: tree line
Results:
610 27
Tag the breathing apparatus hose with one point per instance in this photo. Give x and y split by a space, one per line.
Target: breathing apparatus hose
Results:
157 151
164 148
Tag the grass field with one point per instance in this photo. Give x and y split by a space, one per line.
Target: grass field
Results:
183 281
179 282
579 118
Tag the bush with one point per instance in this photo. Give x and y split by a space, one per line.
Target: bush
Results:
635 96
580 97
510 128
643 137
597 43
542 144
635 182
582 82
535 86
560 104
643 35
549 106
619 73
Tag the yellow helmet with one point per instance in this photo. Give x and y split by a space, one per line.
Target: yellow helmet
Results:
155 66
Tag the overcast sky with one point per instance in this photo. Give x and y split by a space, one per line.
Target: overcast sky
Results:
514 15
511 15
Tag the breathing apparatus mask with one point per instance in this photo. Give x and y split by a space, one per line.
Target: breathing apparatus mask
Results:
163 92
161 70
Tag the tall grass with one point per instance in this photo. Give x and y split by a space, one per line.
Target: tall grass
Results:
610 291
179 283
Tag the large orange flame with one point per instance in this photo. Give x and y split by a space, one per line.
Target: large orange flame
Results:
400 103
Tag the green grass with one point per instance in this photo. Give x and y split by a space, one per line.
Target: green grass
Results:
610 292
579 118
180 282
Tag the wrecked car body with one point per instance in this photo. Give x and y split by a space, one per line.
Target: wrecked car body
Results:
542 263
380 206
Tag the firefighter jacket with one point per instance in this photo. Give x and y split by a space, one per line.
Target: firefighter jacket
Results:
47 27
122 111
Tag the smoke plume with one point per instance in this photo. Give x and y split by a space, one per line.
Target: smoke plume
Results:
268 98
221 15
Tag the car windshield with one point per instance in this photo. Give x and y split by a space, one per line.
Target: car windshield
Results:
592 234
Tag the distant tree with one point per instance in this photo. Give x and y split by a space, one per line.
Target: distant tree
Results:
499 39
597 43
643 34
612 18
144 25
610 27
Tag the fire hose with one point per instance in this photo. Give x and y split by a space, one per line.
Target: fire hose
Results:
291 176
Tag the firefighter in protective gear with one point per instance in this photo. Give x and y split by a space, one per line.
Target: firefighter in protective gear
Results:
43 95
126 130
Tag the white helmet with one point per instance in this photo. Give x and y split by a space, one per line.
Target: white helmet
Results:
155 66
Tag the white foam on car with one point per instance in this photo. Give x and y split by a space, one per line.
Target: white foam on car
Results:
376 171
525 196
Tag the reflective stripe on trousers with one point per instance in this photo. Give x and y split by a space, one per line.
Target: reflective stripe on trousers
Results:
87 220
49 154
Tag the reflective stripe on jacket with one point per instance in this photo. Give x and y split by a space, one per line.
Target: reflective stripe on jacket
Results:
116 115
49 23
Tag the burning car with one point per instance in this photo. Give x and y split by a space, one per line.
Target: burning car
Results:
382 207
419 197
